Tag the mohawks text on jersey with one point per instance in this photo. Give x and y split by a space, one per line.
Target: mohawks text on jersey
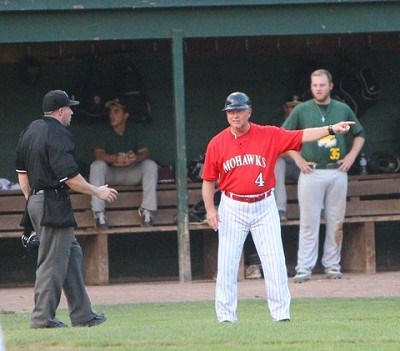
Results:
244 160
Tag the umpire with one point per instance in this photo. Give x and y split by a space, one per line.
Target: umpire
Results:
46 169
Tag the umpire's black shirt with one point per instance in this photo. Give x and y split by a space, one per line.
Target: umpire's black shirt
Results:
46 152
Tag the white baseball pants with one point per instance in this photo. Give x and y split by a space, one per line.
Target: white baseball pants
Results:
262 220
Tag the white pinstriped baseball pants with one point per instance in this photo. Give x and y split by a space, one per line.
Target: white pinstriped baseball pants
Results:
262 220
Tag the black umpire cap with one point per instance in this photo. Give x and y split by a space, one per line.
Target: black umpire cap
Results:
56 99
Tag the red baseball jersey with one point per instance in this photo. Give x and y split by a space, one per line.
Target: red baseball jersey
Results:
245 165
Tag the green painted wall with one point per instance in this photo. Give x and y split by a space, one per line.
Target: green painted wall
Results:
46 21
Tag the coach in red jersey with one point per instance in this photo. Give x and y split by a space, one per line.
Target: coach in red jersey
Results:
242 159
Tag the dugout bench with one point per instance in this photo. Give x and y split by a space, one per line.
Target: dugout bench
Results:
122 218
371 198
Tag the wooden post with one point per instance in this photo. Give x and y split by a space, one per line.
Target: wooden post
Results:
95 255
358 251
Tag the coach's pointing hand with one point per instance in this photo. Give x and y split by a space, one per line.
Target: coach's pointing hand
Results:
342 127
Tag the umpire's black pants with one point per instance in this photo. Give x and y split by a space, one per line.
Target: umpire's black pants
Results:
59 267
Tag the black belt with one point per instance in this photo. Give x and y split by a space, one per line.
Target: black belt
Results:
248 198
42 191
334 165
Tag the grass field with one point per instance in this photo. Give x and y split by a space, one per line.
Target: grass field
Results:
317 324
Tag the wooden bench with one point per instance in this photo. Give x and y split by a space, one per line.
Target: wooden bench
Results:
371 198
123 218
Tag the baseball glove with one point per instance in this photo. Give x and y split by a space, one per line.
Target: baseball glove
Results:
30 241
383 162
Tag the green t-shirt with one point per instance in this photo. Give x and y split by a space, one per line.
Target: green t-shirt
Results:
330 148
113 143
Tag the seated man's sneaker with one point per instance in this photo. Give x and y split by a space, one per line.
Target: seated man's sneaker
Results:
100 220
333 274
301 277
146 217
282 216
253 271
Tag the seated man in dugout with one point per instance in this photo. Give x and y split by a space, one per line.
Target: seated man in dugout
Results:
122 158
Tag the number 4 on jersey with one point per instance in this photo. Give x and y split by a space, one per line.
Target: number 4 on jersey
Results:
260 180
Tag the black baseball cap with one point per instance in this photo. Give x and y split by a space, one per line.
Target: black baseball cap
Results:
56 99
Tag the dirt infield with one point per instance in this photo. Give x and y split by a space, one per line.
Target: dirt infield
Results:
351 285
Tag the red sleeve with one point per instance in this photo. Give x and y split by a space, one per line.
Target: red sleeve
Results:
289 140
211 170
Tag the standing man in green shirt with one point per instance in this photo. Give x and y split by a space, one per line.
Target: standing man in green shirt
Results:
323 179
122 158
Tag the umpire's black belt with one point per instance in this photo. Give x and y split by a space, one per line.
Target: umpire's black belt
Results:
41 191
334 165
249 198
